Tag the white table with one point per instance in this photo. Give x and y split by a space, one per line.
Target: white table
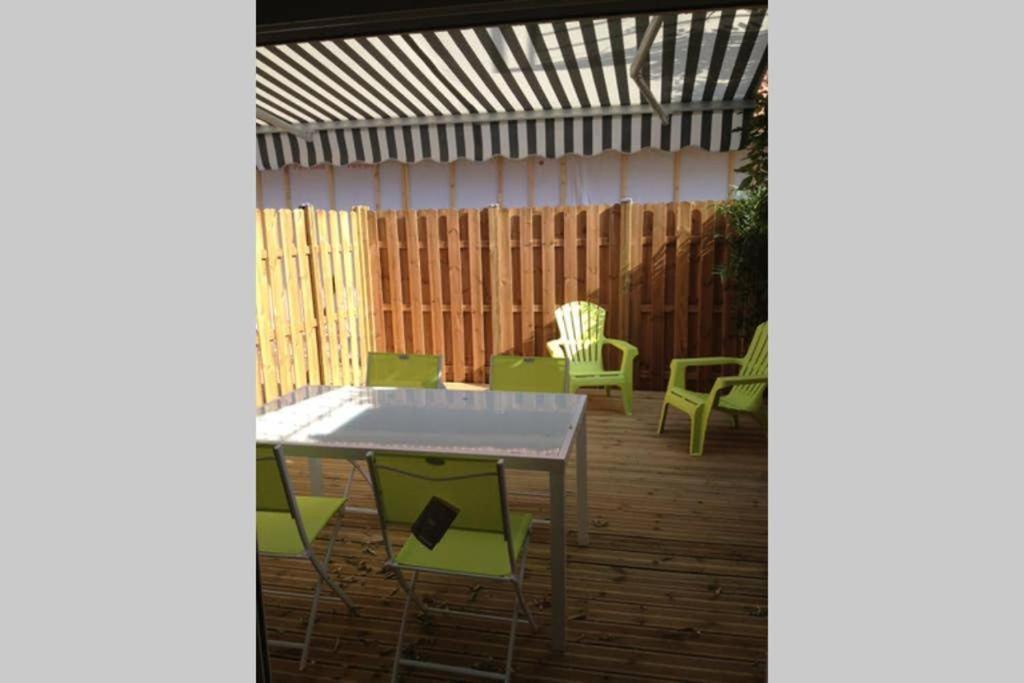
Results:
528 430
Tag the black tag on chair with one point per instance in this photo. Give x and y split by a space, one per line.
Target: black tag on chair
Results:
432 524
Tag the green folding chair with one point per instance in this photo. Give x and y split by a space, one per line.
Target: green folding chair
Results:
485 541
402 371
286 524
739 394
582 341
521 373
408 370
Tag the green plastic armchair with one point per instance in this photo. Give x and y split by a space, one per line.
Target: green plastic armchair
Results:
519 373
742 393
582 341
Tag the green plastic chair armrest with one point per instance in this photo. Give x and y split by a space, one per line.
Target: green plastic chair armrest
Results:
723 383
555 348
629 351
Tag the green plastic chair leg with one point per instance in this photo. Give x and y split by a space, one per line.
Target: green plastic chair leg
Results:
627 398
735 420
664 414
698 427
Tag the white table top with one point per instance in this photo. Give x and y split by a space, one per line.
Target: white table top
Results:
487 423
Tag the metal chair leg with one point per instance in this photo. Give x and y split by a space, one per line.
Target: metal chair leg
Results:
401 628
351 476
325 574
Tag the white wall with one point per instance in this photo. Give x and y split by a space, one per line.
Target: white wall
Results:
589 180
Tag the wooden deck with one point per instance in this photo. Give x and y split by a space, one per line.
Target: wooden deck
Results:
673 586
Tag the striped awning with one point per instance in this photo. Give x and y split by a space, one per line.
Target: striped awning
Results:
546 89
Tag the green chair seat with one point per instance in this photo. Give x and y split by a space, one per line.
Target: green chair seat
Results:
468 552
277 534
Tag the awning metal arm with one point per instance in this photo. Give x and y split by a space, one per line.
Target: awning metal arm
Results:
276 121
643 52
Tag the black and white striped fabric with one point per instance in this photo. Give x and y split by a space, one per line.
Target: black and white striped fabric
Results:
559 76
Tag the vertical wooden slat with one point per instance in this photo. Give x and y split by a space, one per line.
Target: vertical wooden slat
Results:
333 354
395 284
345 293
625 258
338 271
323 336
547 261
706 290
636 267
527 317
659 264
730 344
502 319
371 232
412 252
476 294
296 306
357 295
434 279
454 241
681 296
570 250
592 283
278 296
263 322
309 324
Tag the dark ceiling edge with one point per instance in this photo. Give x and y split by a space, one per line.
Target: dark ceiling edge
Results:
464 16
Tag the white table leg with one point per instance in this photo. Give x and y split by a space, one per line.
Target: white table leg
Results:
558 559
316 477
582 511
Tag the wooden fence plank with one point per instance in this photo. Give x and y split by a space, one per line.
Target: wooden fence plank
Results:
592 237
547 259
636 268
681 297
268 378
295 303
309 324
476 294
625 276
434 281
500 242
333 274
412 252
570 251
326 307
278 294
344 264
454 241
706 292
370 228
396 298
659 265
527 315
317 290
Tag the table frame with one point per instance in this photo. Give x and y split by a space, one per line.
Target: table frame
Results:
575 440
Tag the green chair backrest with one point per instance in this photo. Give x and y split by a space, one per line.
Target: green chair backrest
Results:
404 484
519 373
755 363
271 483
407 370
581 325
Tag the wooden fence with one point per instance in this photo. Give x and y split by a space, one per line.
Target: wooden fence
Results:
468 284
